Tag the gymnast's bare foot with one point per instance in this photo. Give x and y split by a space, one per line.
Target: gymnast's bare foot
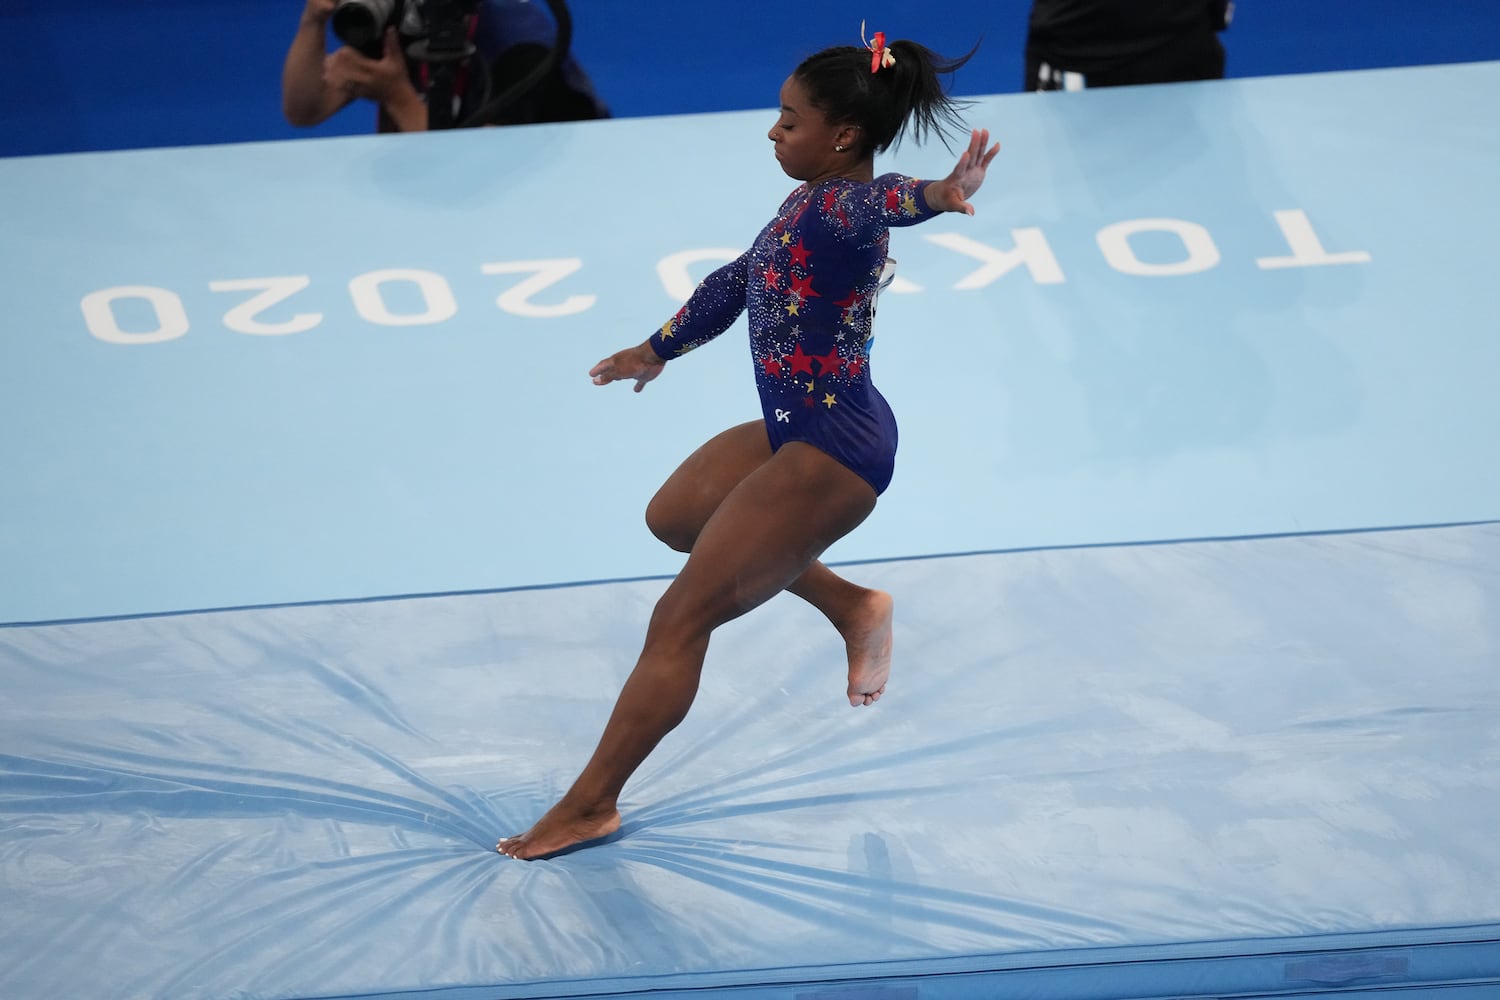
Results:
867 637
562 827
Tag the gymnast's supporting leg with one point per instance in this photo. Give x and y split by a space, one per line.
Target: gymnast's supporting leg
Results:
764 535
694 491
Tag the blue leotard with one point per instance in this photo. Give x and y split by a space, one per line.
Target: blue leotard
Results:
809 282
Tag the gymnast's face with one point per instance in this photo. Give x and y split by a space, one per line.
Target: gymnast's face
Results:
805 141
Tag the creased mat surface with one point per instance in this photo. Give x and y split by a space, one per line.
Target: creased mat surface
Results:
1205 744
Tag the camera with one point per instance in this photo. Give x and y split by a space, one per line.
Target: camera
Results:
436 36
433 29
361 24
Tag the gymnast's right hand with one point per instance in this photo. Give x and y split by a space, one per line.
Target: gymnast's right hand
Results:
640 363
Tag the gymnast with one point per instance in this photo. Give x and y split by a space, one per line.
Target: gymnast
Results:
756 506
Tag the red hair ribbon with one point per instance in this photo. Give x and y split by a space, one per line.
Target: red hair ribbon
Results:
879 54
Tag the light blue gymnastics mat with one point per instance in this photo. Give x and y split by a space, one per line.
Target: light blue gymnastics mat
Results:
1256 767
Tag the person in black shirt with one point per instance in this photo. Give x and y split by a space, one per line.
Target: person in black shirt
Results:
1078 44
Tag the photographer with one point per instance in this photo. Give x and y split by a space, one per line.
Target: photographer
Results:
511 39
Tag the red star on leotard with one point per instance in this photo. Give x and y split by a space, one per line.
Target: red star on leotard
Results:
799 361
799 254
856 365
830 362
803 286
832 203
772 277
893 200
772 365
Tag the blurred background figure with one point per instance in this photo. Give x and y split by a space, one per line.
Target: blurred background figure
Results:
436 64
1078 44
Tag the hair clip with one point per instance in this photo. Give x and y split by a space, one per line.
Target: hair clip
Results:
879 54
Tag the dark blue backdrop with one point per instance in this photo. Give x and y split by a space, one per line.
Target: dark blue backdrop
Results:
110 74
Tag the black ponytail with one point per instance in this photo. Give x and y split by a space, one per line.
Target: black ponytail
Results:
906 98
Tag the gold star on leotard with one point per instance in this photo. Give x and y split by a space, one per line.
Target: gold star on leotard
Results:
828 400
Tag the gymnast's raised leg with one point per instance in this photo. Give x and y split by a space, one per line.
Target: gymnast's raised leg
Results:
689 497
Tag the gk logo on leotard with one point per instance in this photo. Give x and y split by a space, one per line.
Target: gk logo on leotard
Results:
784 416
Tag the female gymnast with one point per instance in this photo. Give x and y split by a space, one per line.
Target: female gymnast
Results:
757 505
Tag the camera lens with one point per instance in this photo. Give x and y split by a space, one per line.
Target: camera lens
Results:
360 23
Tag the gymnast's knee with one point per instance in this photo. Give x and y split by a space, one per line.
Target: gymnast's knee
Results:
667 523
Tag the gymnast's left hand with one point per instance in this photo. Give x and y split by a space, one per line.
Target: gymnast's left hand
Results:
952 193
640 363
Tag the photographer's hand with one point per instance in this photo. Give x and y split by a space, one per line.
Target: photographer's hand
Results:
390 84
384 80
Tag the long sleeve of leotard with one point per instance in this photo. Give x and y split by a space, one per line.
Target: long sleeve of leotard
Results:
712 308
889 200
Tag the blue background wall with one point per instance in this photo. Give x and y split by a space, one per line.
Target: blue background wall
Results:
116 74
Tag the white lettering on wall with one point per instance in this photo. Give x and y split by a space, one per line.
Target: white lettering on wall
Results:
385 297
1031 249
99 314
673 269
1201 254
437 297
517 300
242 318
1307 249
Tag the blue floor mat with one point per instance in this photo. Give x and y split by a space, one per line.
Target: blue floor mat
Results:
1256 766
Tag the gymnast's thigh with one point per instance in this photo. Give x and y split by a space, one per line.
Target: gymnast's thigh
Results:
765 533
691 494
